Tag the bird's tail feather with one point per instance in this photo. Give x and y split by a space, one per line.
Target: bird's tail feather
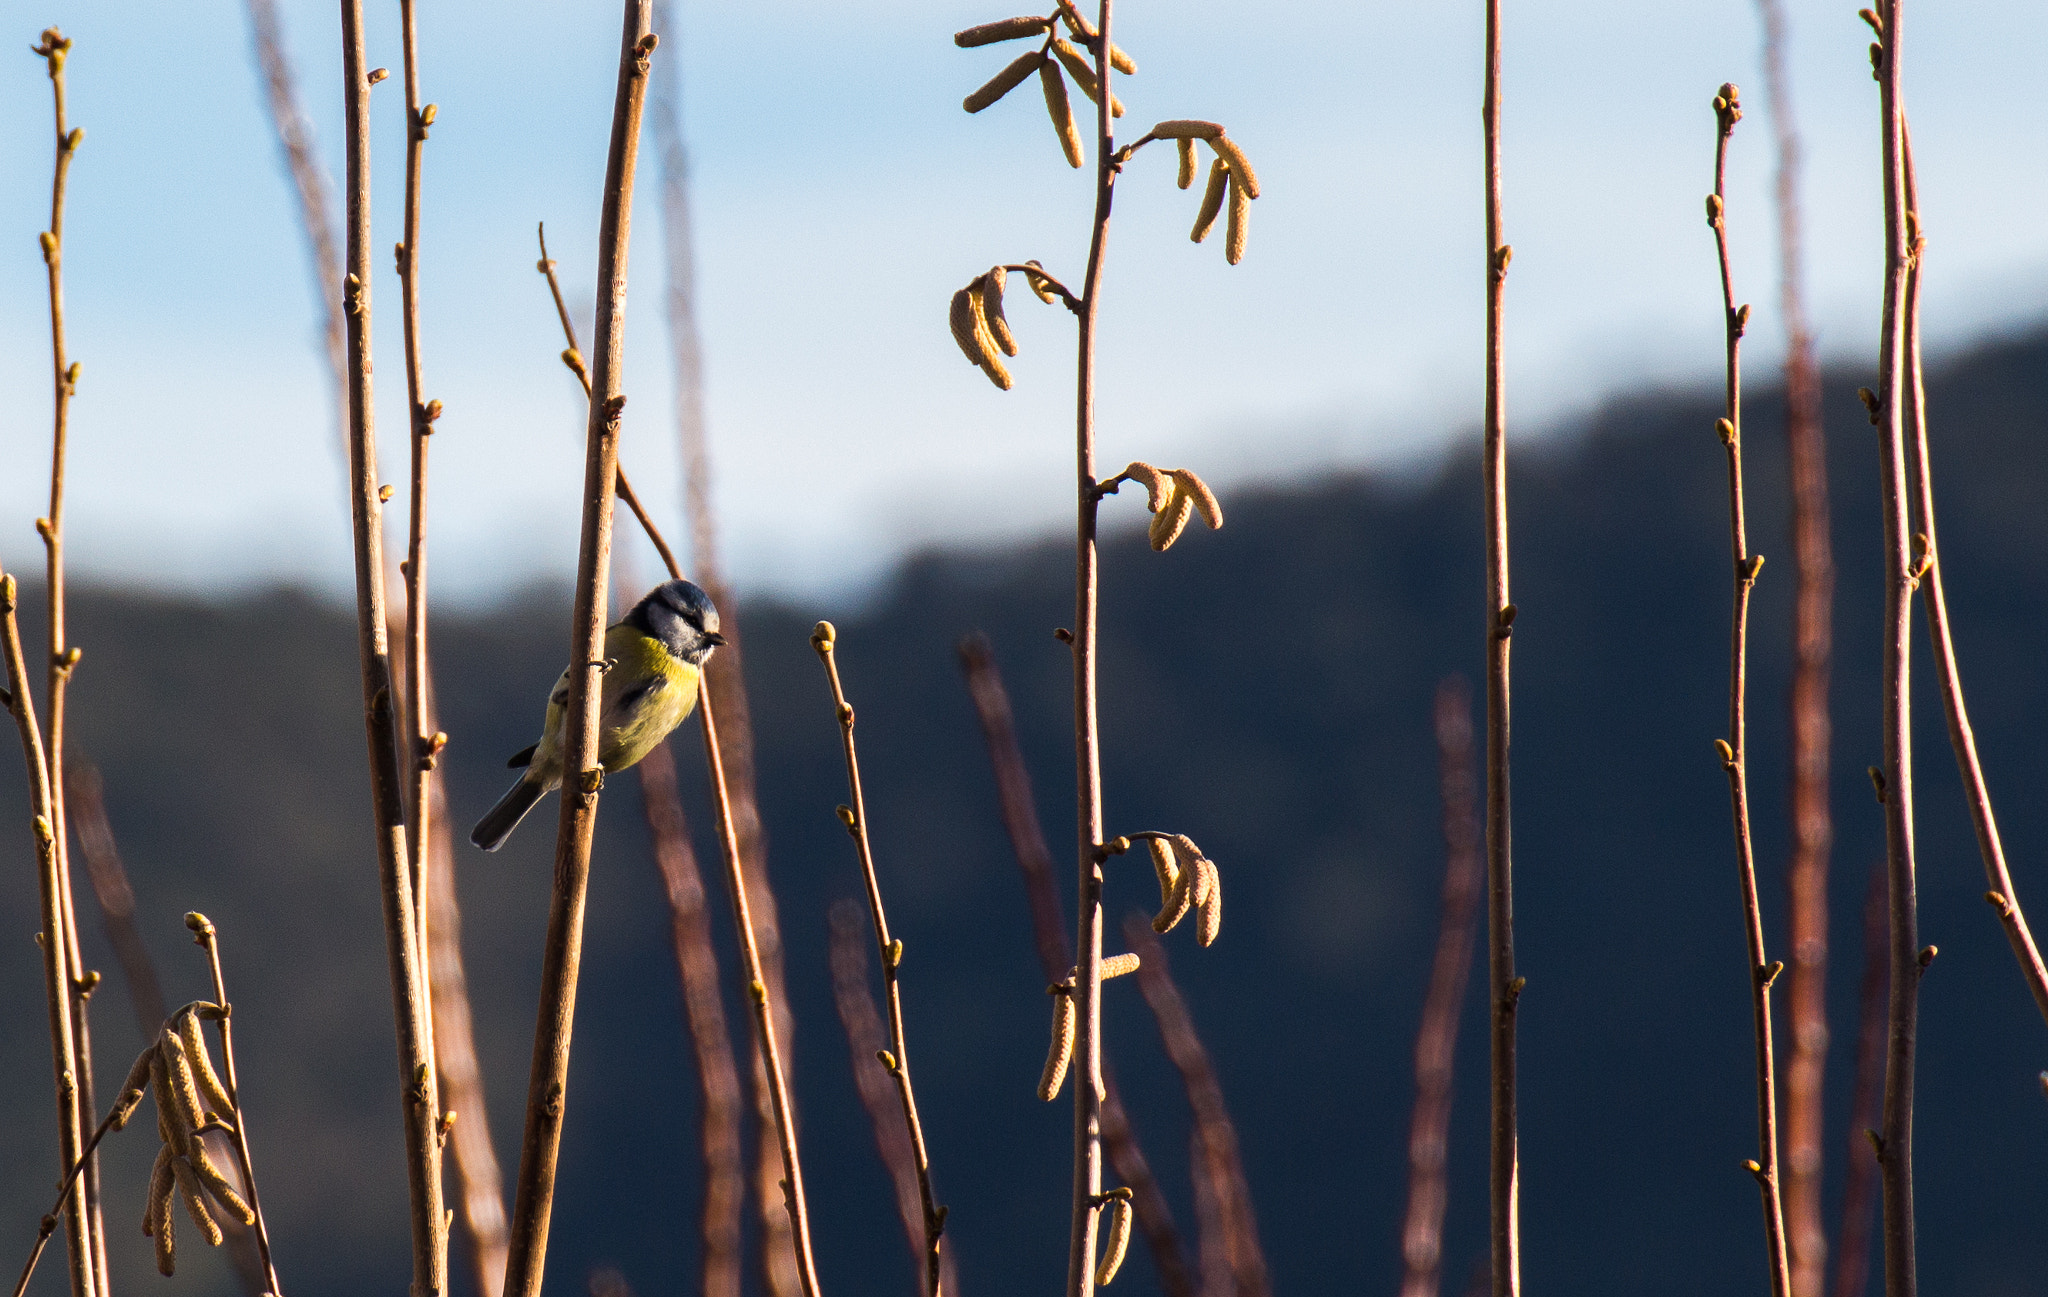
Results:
497 824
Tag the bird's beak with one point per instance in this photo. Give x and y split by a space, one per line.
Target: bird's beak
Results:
713 638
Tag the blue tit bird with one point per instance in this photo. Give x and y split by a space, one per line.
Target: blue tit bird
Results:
653 661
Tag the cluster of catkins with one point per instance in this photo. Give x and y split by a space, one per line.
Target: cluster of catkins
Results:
190 1101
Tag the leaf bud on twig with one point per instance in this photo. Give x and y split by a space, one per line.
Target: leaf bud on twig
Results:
1003 82
1040 285
823 636
378 74
1007 29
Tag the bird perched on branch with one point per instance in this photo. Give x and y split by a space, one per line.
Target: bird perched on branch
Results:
652 661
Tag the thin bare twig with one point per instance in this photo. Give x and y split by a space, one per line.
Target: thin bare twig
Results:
57 966
2004 900
1504 987
703 1004
48 1225
1218 1169
1436 1039
897 1058
1866 1108
1897 773
1735 748
725 1188
206 938
769 1053
89 1266
561 958
310 183
1806 871
866 1041
380 702
1035 863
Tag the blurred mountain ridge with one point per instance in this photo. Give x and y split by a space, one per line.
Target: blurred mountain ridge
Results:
1265 689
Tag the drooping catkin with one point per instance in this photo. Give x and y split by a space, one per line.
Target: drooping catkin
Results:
1212 200
1061 111
1187 128
1003 82
984 337
1040 285
1084 75
1166 866
1158 483
210 1087
1169 522
1241 167
961 319
1235 232
156 1213
195 1201
1205 504
133 1089
1186 148
1119 1242
992 285
1062 1051
1007 29
1177 902
184 1089
1078 23
216 1183
1209 908
170 1126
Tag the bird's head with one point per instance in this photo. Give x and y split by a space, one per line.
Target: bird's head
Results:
682 617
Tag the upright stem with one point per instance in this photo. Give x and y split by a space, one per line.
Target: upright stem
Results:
1806 872
1087 745
380 716
1436 1039
764 1016
1735 753
89 1267
891 953
57 966
561 957
1899 579
1962 738
1860 1167
1035 862
204 935
418 695
1504 988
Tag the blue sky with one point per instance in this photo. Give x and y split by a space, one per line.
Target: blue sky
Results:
842 195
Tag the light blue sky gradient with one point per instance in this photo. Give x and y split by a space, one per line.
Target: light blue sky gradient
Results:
841 196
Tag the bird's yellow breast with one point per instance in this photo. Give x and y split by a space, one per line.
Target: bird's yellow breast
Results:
647 691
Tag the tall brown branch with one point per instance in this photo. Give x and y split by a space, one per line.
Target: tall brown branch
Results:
725 1188
479 1184
58 973
1219 1166
1866 1108
896 1059
89 1265
1735 748
1436 1039
380 702
561 958
1035 863
310 184
1504 987
661 803
2004 900
1810 728
865 1043
1897 773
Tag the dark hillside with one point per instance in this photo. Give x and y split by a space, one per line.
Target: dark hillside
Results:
1267 690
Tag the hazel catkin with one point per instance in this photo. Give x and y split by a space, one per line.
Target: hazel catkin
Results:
1212 201
1061 111
1006 29
1186 148
1169 522
1119 1242
1062 1051
1003 82
992 310
1205 504
1235 232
